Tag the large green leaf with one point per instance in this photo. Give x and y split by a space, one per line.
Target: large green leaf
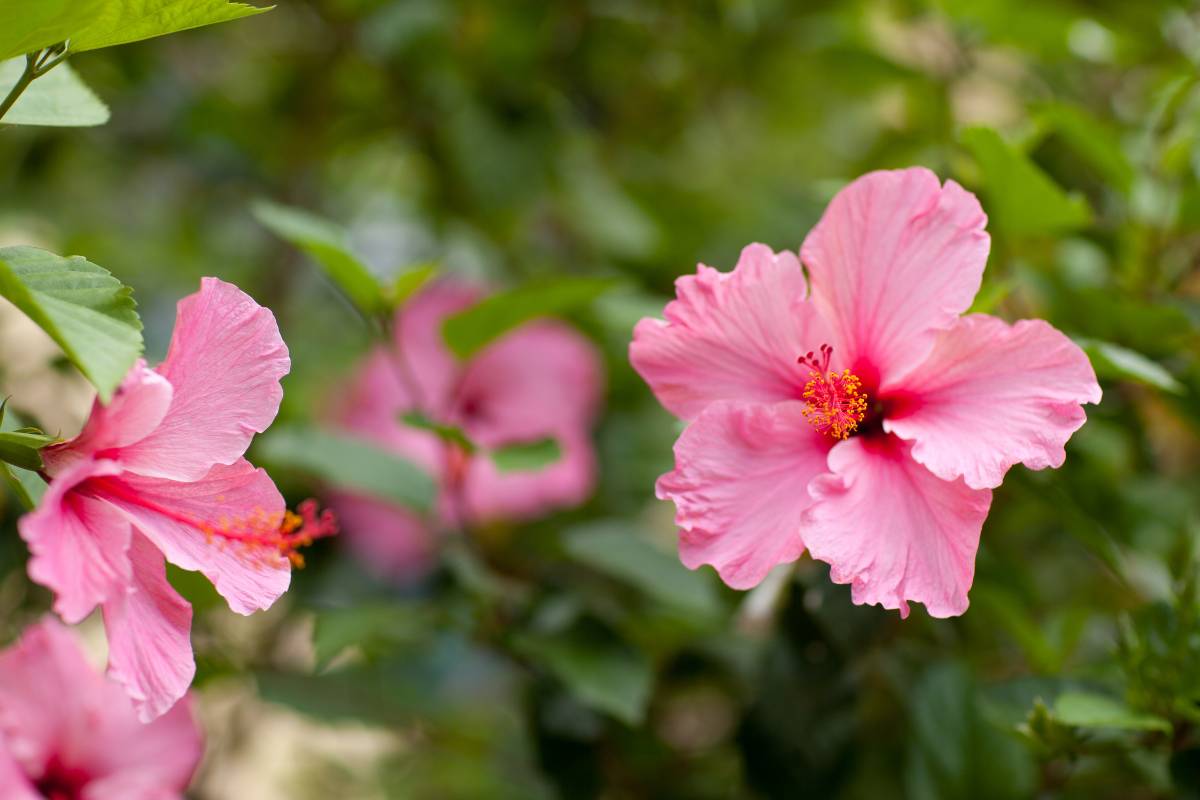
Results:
83 307
58 98
469 331
122 21
1120 363
326 243
606 675
1088 710
1021 199
348 463
613 548
28 25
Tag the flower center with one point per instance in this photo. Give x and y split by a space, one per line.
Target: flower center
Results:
258 534
834 401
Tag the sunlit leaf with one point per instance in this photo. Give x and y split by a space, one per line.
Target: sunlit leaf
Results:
1021 199
469 331
348 463
1088 710
58 98
408 283
28 25
327 243
526 456
87 311
122 21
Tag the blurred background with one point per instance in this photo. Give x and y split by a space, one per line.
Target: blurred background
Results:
573 656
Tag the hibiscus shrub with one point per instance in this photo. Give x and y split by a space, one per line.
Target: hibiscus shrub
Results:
694 400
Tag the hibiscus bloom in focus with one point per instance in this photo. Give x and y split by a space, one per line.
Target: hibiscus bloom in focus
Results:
67 732
858 413
540 380
159 473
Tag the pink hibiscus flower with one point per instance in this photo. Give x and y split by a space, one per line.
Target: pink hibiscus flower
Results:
857 414
67 733
159 472
541 380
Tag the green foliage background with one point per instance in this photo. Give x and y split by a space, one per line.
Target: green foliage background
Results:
525 141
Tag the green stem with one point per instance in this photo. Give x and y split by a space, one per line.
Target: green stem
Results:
37 64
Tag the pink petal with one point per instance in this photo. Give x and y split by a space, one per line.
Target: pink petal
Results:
895 258
137 408
149 644
157 759
390 542
730 336
991 395
432 370
540 377
77 544
739 487
225 362
14 785
234 497
527 494
893 530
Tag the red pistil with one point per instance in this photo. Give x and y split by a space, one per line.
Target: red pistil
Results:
259 533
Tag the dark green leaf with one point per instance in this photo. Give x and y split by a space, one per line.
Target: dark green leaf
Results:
606 675
58 98
1021 199
469 331
27 486
81 306
526 456
1120 363
1093 141
371 628
21 449
123 21
327 243
348 463
450 434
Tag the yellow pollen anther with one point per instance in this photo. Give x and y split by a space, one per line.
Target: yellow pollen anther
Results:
834 401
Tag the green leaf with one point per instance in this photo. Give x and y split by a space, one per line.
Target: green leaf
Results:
374 629
526 456
1022 200
27 486
1120 363
20 448
326 243
1093 141
1087 710
469 331
610 547
349 463
447 433
123 21
407 284
605 675
58 98
28 25
87 311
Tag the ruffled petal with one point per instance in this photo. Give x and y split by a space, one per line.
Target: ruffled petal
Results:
893 530
180 519
149 635
740 488
78 545
137 408
895 258
730 336
224 363
991 395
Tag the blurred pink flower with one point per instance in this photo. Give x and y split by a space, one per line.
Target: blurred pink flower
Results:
541 380
159 472
879 449
67 732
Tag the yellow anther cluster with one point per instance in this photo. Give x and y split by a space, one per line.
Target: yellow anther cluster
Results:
835 402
